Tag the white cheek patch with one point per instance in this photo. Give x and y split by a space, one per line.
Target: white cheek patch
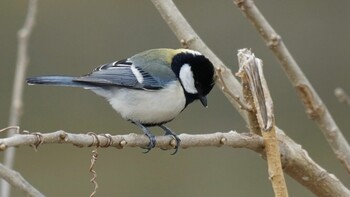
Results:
186 77
137 74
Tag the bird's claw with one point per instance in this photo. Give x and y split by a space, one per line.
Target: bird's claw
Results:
152 143
178 140
152 138
172 134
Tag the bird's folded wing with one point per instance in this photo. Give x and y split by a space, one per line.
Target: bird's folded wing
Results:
119 74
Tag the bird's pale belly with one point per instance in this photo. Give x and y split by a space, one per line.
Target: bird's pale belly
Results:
149 107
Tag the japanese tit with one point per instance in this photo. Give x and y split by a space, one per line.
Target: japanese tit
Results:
150 88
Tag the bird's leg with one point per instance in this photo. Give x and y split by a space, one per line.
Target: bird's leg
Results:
170 132
151 137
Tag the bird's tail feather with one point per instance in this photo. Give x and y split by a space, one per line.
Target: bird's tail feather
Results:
57 81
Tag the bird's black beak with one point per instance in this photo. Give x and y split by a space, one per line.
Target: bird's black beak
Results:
203 100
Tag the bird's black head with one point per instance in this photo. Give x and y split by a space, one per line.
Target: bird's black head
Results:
196 74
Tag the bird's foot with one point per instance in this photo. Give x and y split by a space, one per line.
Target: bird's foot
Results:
152 142
171 133
151 137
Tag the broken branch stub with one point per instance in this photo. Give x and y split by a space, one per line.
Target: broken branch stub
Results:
251 71
256 92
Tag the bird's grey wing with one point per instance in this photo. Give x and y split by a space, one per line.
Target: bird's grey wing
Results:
123 74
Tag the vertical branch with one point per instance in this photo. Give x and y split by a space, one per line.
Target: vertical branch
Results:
251 73
315 107
17 94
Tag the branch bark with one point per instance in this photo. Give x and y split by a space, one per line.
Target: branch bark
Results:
315 108
17 94
232 139
307 172
295 160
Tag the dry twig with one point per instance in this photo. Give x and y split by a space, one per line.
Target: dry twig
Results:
315 108
15 128
226 89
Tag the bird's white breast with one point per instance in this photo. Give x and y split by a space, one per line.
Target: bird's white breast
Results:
148 106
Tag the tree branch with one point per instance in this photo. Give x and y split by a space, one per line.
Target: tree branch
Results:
315 107
232 139
295 160
297 164
300 163
16 180
17 94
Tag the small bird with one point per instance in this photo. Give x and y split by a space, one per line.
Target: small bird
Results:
150 88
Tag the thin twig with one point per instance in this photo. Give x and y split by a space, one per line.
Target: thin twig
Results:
15 128
225 88
342 96
315 107
17 94
17 181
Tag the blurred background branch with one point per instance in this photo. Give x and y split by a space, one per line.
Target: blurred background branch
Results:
18 85
315 107
16 180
